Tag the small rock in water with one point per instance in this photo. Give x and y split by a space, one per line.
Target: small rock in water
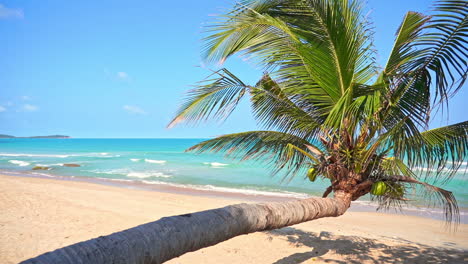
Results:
71 165
40 168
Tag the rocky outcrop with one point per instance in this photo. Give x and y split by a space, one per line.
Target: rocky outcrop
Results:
41 168
71 165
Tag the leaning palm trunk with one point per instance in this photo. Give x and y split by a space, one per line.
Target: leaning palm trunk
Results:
173 236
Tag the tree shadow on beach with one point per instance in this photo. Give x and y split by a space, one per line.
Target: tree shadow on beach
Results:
357 250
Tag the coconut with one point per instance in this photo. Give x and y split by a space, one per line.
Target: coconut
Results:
312 174
379 188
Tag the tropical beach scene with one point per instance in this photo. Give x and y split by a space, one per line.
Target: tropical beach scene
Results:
253 131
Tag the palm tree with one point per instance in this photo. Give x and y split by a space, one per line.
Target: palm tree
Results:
327 107
328 111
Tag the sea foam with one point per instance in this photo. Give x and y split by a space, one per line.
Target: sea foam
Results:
156 161
216 164
133 174
91 155
147 175
274 193
33 155
425 169
19 162
48 165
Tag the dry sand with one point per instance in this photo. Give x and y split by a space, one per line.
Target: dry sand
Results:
39 215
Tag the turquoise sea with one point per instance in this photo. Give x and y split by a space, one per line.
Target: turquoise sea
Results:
163 161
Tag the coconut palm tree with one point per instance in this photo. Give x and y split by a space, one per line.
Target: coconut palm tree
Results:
328 108
328 111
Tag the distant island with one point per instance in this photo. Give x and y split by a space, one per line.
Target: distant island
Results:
51 136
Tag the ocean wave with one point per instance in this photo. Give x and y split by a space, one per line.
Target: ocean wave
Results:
90 155
135 160
147 175
425 169
97 155
44 175
111 171
464 163
19 163
132 173
49 165
33 155
107 155
216 164
232 190
156 161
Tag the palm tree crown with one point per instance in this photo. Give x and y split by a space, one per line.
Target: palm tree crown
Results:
325 105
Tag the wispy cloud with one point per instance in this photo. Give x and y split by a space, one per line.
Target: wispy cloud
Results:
2 109
30 108
6 12
118 76
134 109
25 98
122 75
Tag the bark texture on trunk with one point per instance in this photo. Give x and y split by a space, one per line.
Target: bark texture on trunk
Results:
170 237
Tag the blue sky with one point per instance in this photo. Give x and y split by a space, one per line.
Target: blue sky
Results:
120 68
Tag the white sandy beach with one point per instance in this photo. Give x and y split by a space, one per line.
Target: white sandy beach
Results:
40 215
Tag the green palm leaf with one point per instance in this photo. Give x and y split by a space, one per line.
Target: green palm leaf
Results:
440 152
269 147
274 109
213 98
447 47
432 195
403 53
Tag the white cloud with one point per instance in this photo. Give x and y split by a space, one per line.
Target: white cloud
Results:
2 109
134 109
25 98
122 75
10 12
30 108
117 76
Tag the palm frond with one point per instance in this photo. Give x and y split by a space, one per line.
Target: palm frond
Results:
403 52
274 109
435 46
393 166
215 97
447 46
317 47
411 97
268 147
432 196
446 149
438 153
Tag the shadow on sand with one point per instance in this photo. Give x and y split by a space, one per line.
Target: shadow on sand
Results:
359 250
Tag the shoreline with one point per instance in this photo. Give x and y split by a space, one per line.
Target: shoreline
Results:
237 194
40 215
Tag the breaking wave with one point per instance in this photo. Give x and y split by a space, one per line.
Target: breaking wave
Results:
156 161
19 162
216 164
